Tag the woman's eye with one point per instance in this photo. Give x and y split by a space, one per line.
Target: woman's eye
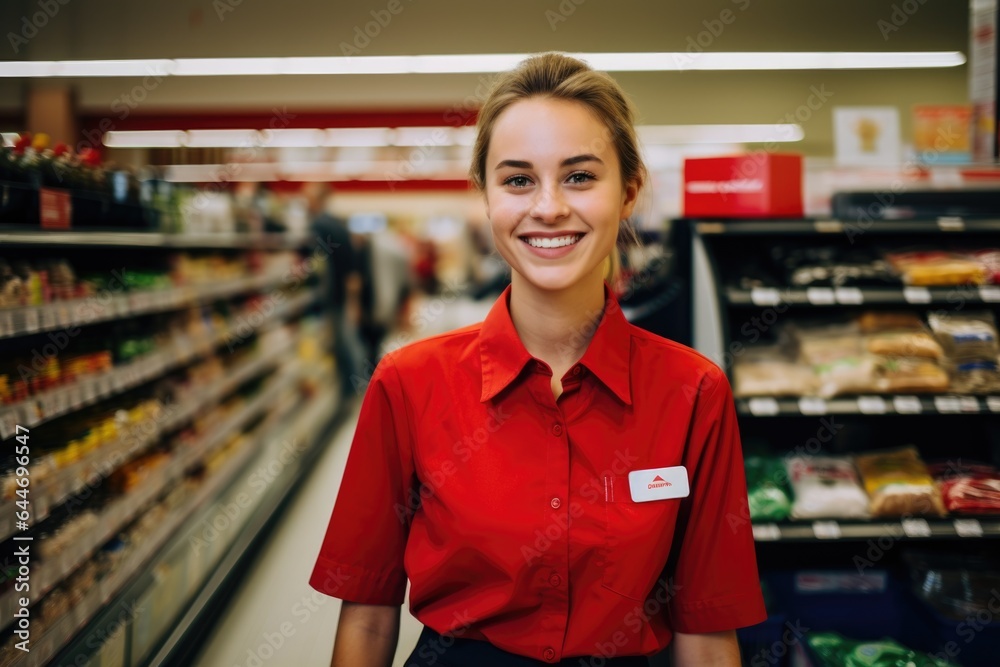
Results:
517 181
580 177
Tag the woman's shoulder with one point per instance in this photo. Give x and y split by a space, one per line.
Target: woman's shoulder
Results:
436 351
653 351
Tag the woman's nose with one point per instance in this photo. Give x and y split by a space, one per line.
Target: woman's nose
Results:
549 205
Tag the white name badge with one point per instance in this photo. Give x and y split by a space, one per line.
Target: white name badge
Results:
658 484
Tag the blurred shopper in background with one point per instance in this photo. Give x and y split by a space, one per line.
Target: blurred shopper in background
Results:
341 285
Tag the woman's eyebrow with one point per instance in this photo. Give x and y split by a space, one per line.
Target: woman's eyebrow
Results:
576 159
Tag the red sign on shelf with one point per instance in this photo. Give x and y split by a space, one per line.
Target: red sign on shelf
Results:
55 208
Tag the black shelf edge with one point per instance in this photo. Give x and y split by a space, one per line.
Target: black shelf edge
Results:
902 404
849 228
820 297
826 530
274 240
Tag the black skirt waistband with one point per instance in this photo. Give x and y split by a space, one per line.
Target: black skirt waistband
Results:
434 650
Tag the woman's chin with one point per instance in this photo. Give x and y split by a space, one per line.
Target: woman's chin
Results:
553 279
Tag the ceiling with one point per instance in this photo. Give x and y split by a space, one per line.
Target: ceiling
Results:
219 28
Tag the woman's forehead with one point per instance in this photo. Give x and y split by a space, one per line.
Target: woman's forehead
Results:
551 128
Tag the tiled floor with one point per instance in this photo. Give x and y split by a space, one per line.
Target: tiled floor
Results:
275 618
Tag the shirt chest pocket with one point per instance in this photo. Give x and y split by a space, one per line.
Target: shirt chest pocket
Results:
637 540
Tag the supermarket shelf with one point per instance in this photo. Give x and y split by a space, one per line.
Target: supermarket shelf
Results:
66 627
118 514
910 528
946 404
856 296
156 240
81 312
73 479
59 401
850 229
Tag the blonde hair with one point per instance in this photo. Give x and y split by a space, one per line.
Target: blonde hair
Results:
559 76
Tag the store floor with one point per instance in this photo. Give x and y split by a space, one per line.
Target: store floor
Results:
275 618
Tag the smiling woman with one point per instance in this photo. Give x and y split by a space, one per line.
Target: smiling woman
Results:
541 547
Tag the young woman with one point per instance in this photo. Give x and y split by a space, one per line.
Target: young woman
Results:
559 486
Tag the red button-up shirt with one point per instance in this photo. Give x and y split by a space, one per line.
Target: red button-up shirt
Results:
510 511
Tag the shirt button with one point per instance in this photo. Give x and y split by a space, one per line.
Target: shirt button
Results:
555 580
555 503
548 654
557 429
576 370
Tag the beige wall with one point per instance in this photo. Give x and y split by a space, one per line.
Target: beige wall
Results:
165 28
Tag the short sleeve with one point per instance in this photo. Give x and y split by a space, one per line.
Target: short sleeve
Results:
715 582
361 558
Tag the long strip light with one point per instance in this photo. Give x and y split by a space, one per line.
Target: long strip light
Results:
479 63
423 136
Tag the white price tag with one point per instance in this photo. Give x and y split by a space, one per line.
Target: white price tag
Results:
766 532
47 317
826 530
871 405
947 404
907 405
763 407
6 324
75 395
969 403
951 224
809 405
916 295
8 423
968 528
765 296
31 320
916 528
993 403
821 296
849 296
990 293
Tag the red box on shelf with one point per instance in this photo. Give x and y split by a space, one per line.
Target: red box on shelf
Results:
755 185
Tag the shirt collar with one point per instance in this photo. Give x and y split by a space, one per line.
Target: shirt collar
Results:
503 355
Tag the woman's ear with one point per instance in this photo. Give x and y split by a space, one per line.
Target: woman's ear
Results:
629 198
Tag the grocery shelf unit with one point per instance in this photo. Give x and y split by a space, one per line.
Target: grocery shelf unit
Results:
727 319
268 400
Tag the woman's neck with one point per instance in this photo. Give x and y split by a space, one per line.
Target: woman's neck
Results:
556 327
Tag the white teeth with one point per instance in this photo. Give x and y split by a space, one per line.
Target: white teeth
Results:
557 242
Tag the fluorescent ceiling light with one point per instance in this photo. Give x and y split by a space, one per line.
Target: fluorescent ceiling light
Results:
479 63
715 134
357 136
425 136
145 139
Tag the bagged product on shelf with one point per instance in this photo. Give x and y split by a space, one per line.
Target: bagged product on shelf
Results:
767 371
826 487
880 321
837 355
899 483
968 488
905 344
910 375
989 259
929 268
834 650
969 341
829 266
769 496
